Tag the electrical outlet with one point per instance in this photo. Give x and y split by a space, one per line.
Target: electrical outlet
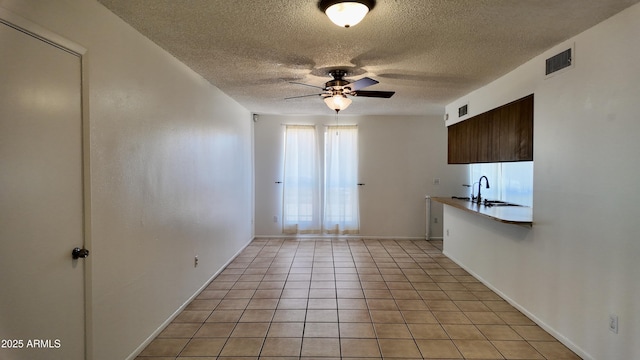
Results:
613 323
436 181
275 219
447 232
435 220
195 261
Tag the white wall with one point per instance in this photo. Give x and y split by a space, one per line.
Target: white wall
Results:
399 158
171 175
578 263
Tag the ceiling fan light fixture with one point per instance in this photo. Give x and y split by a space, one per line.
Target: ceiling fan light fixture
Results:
337 102
346 13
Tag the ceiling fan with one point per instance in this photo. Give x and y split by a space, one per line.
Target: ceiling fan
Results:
335 91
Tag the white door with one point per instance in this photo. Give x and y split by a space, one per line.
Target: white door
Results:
41 200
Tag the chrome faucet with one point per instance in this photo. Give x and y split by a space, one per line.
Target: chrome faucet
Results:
479 197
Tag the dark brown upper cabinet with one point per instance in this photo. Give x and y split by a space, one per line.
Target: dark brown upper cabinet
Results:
500 135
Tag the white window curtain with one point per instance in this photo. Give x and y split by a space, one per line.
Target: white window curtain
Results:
341 203
301 185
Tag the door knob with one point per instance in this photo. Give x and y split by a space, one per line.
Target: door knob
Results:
79 253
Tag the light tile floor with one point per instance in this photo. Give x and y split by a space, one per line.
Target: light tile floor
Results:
350 299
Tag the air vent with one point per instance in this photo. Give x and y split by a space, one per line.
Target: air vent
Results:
559 62
463 110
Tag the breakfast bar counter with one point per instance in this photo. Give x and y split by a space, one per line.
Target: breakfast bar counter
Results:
518 215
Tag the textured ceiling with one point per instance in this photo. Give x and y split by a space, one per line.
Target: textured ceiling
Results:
429 52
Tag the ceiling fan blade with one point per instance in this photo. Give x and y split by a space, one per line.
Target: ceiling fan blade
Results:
301 96
362 83
375 94
313 86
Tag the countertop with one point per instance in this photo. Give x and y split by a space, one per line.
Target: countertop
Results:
518 215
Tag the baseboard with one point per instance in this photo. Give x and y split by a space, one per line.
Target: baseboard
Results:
166 323
568 343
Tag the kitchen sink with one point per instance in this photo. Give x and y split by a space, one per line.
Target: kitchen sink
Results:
487 203
498 203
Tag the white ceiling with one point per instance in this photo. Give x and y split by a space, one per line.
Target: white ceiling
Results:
429 52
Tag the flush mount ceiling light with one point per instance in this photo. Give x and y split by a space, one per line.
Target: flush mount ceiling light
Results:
346 13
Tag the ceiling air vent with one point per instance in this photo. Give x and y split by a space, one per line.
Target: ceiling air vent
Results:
558 62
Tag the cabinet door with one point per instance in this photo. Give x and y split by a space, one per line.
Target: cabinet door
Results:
516 130
483 134
509 134
457 150
462 142
495 116
525 129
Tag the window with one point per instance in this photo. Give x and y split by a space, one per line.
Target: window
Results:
301 186
303 206
509 181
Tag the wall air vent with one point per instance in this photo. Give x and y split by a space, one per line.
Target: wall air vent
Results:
463 110
559 62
